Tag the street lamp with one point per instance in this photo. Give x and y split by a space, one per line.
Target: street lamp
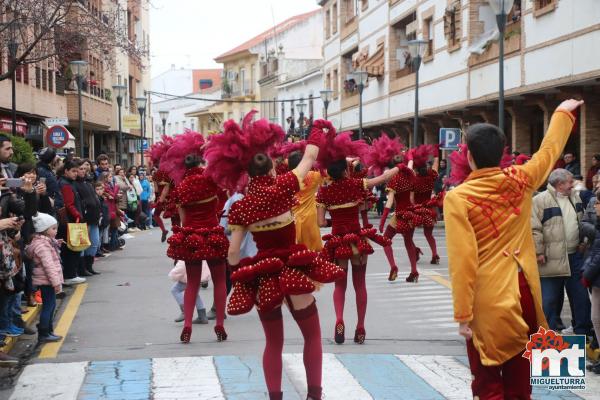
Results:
164 114
326 97
120 91
301 107
501 9
141 106
417 49
79 69
360 77
13 47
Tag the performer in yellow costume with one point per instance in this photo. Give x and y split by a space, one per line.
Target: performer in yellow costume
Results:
305 212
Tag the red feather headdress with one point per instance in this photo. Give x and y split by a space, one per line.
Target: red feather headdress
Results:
522 159
421 154
173 162
337 147
159 149
289 148
229 154
460 168
381 153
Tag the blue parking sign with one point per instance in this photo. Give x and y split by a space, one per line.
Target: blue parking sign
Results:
450 138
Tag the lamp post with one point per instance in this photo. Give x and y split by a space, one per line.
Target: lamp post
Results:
501 9
326 97
141 106
300 107
361 78
79 69
416 49
120 91
164 115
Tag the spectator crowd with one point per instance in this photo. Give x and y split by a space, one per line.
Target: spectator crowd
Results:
37 202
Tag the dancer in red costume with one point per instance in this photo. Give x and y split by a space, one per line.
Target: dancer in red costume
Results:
282 271
423 184
348 242
162 182
200 236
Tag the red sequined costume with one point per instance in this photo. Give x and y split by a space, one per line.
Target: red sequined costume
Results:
403 221
342 198
425 210
370 198
200 237
280 267
348 242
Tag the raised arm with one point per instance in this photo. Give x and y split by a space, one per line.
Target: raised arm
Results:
310 156
383 178
554 142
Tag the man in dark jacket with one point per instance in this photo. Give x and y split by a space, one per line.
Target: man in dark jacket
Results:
44 170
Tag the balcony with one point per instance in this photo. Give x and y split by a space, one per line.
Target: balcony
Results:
350 97
96 111
235 89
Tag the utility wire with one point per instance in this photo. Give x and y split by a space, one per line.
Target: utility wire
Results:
173 96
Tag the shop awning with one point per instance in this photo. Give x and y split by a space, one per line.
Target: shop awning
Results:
6 125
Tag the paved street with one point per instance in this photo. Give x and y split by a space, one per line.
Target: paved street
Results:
123 343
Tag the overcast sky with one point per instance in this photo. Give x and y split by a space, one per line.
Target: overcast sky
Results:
190 33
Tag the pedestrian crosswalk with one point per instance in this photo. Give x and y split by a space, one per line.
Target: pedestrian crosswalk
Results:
345 376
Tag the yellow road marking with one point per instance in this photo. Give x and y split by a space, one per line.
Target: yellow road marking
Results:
441 280
50 350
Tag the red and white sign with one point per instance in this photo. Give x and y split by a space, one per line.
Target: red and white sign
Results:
6 125
57 136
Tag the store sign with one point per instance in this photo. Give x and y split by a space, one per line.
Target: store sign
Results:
57 136
131 121
145 141
56 121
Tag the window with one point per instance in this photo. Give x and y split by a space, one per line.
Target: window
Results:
401 33
428 34
541 7
349 9
335 84
334 15
327 24
51 80
38 77
453 25
44 79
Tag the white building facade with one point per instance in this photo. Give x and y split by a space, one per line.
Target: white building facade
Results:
548 57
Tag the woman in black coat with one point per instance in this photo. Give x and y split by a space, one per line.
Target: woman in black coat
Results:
591 277
92 212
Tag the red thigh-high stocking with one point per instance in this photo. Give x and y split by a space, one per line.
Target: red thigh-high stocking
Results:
159 221
194 272
272 323
217 274
308 322
428 231
411 250
339 294
360 288
390 232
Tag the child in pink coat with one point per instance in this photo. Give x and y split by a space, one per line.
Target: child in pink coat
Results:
44 250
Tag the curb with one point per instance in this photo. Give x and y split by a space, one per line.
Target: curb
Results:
29 319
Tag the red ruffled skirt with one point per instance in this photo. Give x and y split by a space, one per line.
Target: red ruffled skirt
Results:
197 244
351 244
264 280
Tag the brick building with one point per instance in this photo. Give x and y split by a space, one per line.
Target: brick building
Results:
548 57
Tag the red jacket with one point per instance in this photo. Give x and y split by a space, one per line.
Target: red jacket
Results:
590 175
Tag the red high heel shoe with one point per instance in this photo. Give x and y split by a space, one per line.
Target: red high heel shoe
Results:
339 333
359 335
435 260
393 274
413 277
419 253
186 334
221 334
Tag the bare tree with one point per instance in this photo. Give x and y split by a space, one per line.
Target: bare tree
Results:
64 30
